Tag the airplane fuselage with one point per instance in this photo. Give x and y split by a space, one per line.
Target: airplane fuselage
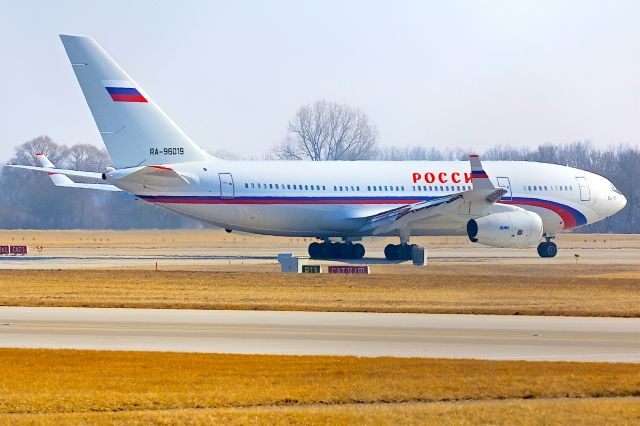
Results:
331 199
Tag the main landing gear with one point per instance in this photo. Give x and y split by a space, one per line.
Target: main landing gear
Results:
399 251
329 250
547 248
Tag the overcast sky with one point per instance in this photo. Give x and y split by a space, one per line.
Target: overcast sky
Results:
434 73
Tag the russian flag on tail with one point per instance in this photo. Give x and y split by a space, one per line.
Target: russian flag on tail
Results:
123 91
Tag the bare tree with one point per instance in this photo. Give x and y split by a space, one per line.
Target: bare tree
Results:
421 153
329 131
88 157
29 199
26 153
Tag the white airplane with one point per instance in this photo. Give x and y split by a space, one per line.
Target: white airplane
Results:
500 204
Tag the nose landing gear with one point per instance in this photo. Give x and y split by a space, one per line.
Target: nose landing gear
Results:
548 248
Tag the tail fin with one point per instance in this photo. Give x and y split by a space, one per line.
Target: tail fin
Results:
134 129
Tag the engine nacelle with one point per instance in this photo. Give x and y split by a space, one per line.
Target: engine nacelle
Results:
519 229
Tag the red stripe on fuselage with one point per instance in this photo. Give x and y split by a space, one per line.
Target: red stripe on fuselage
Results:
280 201
566 216
568 219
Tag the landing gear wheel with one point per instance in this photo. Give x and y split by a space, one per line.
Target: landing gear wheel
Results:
315 251
329 250
391 252
404 252
547 249
357 251
399 251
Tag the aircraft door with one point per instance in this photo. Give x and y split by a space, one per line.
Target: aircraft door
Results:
585 191
503 182
226 185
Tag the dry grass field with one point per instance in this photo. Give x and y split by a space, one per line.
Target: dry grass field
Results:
574 290
62 386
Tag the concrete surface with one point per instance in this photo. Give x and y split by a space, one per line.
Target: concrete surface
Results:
328 333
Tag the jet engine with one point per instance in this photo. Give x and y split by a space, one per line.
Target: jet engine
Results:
518 229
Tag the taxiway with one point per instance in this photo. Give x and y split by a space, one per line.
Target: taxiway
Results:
324 333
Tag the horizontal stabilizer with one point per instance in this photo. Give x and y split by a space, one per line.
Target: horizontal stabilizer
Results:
59 176
97 186
78 173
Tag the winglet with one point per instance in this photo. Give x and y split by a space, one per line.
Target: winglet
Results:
478 175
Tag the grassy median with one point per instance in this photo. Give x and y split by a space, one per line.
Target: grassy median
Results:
575 290
53 386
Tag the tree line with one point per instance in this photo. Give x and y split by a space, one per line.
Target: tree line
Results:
28 200
319 131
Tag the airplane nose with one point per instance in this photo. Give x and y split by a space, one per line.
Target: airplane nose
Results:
623 202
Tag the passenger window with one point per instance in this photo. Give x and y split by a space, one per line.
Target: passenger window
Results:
374 188
306 187
419 188
246 185
340 187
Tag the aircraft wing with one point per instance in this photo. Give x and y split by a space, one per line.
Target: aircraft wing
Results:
60 177
483 192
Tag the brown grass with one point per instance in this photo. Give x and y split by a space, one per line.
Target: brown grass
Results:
576 290
53 386
530 412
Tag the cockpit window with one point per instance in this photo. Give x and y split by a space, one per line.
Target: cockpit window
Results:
616 190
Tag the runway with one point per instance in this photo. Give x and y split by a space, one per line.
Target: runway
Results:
324 333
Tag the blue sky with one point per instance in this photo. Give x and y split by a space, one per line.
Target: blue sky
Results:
231 74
